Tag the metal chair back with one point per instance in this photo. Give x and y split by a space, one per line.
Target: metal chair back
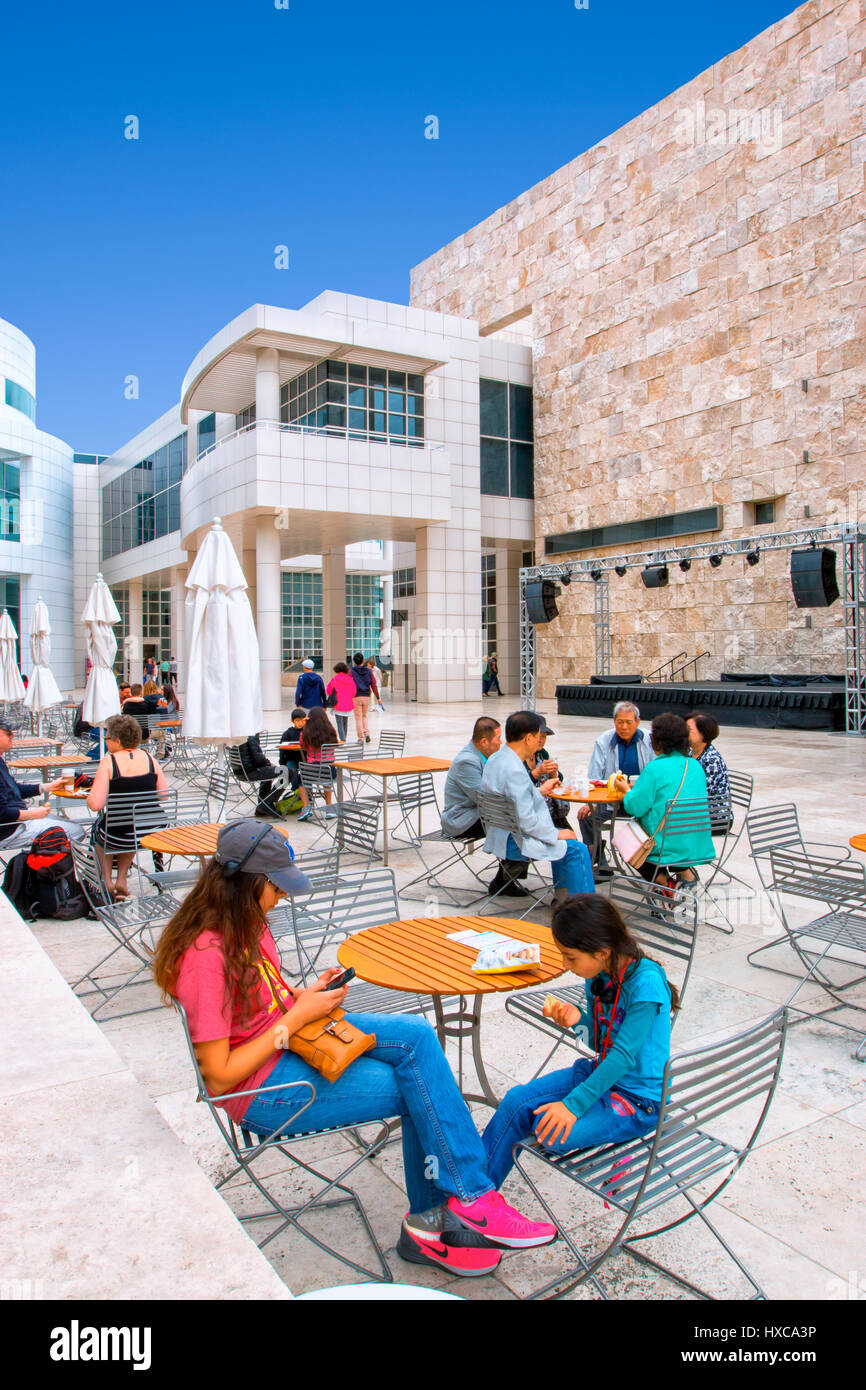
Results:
647 910
683 818
247 1147
391 743
129 815
699 1087
217 793
497 812
356 826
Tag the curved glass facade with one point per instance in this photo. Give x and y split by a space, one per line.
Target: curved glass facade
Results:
363 402
20 399
143 503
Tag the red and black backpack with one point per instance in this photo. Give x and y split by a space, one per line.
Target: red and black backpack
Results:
41 882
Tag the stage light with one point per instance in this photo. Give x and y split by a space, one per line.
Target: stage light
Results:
655 576
620 570
565 579
715 561
752 557
595 576
685 566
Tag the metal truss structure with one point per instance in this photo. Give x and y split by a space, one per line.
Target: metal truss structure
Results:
849 536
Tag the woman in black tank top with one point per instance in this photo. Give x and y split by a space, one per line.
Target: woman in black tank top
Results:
122 739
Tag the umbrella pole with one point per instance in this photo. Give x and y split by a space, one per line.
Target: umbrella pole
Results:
101 743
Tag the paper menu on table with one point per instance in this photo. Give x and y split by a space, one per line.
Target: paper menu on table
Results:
478 939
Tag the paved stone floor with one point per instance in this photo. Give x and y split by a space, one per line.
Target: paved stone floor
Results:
793 1213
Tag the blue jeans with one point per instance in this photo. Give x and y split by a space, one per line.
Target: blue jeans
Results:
514 1119
572 872
405 1074
342 726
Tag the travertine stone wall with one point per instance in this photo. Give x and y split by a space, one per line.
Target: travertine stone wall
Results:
685 277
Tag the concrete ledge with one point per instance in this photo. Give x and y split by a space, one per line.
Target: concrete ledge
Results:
101 1198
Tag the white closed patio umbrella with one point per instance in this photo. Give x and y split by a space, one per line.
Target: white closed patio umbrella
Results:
11 684
42 690
101 698
223 692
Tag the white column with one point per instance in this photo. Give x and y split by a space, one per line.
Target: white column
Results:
446 642
387 597
178 623
508 619
135 663
267 384
268 612
333 609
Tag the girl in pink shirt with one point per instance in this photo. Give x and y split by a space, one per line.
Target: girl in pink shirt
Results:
343 685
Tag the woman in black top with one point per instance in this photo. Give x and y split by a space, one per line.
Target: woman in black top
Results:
125 768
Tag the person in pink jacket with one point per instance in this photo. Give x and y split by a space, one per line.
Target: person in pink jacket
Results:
343 685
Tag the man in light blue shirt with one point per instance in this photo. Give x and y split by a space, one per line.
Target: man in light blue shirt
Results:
626 748
538 837
463 783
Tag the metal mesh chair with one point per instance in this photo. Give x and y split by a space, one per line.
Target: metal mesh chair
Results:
497 811
316 779
461 852
841 890
742 786
250 784
249 1148
153 811
647 911
338 905
131 924
683 819
778 827
391 744
641 1175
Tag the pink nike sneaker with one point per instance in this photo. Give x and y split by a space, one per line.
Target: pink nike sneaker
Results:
492 1217
457 1252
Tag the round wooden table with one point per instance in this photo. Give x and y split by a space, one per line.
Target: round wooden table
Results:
50 762
194 841
595 798
415 955
858 842
385 768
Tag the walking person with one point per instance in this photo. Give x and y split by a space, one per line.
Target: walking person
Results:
376 699
365 682
342 687
218 958
310 690
493 674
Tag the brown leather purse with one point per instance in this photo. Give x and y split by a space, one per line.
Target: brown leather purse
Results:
330 1043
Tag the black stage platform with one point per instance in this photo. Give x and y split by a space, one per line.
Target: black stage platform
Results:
817 704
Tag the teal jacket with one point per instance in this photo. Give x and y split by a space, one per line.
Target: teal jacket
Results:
654 788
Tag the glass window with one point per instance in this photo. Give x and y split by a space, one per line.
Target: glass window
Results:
337 416
357 374
321 371
397 379
337 371
521 470
206 432
494 467
336 392
415 383
357 419
378 376
357 395
377 421
396 400
396 424
20 399
416 405
176 459
160 469
494 408
520 405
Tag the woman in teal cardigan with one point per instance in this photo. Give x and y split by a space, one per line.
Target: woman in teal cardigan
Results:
672 773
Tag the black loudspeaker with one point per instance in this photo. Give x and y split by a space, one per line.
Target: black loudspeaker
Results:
541 596
655 576
813 577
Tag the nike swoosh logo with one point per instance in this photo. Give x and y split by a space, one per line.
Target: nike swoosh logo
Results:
481 1225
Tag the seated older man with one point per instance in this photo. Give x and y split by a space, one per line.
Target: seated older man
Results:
460 801
538 837
625 749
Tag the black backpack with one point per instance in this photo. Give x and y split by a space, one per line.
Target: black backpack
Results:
41 882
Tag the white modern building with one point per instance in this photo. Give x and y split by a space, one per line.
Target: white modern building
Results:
341 445
38 475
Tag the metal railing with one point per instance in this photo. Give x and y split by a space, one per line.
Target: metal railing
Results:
334 431
661 673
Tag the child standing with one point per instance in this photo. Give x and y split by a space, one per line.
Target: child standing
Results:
626 1019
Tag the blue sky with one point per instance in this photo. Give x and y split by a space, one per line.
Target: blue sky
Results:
302 127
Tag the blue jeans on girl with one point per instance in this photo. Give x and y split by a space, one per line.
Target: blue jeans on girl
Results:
514 1119
405 1074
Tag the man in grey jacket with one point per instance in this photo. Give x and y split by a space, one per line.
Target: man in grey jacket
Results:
538 837
460 800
